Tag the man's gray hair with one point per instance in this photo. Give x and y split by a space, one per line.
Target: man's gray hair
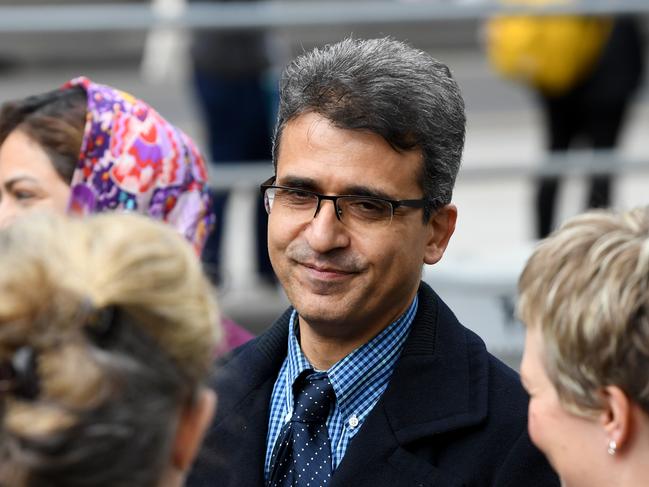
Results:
389 88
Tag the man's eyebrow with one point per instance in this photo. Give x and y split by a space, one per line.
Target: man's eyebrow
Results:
366 191
311 185
298 182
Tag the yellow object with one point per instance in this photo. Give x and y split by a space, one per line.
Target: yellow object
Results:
552 53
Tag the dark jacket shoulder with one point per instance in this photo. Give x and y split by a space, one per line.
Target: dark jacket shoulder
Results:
452 415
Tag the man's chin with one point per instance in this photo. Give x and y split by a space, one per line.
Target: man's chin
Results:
323 309
325 325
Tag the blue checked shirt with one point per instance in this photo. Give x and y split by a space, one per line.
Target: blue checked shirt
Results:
358 381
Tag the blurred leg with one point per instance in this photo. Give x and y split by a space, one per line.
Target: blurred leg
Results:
546 196
212 251
604 127
236 112
562 122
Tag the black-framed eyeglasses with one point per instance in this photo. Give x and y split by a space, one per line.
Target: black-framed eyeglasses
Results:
352 210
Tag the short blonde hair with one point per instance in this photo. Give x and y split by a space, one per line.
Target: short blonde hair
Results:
587 288
122 324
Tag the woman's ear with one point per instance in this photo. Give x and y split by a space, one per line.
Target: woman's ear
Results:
192 425
616 418
440 226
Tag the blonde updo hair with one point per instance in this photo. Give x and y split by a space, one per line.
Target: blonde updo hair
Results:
587 288
120 324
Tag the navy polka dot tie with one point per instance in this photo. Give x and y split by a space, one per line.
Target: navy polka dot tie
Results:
302 453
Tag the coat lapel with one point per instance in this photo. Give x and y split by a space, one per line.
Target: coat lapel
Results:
238 433
439 385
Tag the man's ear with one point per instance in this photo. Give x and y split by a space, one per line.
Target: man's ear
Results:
440 226
192 425
616 417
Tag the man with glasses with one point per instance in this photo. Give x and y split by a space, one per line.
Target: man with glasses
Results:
368 379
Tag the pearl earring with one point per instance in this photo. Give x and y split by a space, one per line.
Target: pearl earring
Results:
612 447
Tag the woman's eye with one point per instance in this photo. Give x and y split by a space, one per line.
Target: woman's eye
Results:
24 195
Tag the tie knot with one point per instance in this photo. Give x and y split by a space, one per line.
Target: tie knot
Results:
313 398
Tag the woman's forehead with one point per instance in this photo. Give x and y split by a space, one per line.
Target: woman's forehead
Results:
22 157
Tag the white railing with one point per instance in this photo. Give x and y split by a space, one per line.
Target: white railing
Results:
248 175
269 14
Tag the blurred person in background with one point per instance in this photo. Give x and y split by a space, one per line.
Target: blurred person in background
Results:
89 148
584 298
107 332
231 73
592 114
368 379
585 70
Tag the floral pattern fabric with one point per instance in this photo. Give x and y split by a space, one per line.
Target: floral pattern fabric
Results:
132 159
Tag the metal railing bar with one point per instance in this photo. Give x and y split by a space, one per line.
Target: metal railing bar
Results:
269 14
250 174
569 164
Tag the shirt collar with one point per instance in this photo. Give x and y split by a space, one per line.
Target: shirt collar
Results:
297 361
352 372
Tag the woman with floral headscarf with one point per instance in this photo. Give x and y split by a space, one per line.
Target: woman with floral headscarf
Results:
89 148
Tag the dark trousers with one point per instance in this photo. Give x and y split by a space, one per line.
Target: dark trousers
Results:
238 115
569 120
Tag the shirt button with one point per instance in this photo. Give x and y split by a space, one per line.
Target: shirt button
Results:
353 421
288 416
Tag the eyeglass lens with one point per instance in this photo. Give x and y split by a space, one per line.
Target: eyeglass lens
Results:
352 210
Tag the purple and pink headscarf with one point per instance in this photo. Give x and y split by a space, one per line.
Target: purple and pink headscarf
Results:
132 159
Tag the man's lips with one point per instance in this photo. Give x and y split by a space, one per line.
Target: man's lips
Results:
327 270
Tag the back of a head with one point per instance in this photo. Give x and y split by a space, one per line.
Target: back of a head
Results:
107 329
386 87
586 288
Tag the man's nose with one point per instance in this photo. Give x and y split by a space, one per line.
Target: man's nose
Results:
326 231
